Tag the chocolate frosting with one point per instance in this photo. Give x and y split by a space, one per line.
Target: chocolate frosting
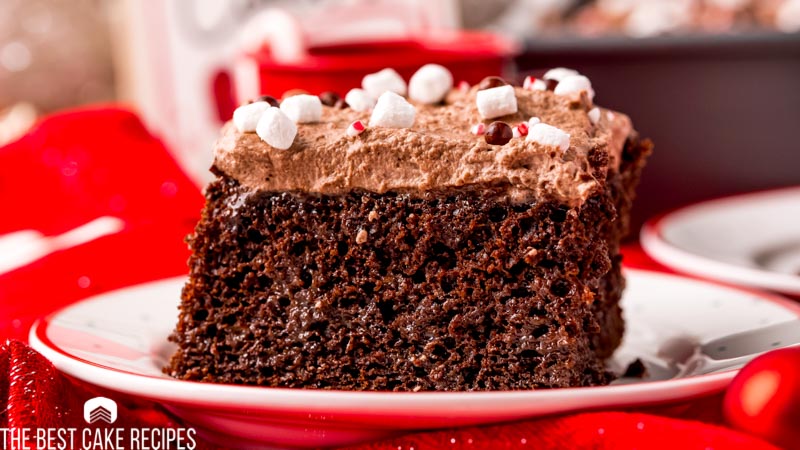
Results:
438 151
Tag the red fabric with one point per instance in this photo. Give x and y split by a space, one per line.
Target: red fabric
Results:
75 167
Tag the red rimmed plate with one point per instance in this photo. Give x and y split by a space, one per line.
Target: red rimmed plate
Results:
118 340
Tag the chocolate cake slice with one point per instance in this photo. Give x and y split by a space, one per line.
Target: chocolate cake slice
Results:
451 253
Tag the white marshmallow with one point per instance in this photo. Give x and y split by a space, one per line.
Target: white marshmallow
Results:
496 102
302 108
548 135
559 73
574 84
430 84
385 80
245 117
392 111
276 129
787 17
359 100
539 85
594 115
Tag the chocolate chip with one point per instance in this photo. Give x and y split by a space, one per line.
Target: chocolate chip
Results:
498 133
491 82
269 99
329 98
551 84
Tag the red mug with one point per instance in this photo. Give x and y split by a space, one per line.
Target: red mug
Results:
470 56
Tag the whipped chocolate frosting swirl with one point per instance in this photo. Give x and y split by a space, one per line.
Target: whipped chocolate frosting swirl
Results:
438 151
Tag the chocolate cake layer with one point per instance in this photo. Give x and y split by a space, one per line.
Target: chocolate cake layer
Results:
450 288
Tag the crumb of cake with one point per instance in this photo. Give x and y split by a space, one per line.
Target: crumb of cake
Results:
373 215
636 369
361 236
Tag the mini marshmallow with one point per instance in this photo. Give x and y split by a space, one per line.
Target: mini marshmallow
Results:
575 84
276 129
245 117
385 80
496 102
356 128
302 108
478 129
533 121
548 135
359 100
392 111
594 115
559 73
430 84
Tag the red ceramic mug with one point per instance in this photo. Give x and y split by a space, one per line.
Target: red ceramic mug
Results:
470 56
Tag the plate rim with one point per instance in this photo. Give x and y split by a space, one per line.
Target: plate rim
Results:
227 397
658 247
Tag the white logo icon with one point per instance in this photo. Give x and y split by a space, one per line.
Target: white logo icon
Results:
100 408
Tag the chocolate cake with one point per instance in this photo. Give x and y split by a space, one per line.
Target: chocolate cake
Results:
474 246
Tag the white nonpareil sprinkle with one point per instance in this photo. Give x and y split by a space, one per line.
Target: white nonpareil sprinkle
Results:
594 115
385 80
478 129
302 108
359 100
245 117
392 111
533 121
548 135
496 102
559 73
574 84
276 129
430 84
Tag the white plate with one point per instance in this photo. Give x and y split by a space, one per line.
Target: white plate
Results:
118 340
751 240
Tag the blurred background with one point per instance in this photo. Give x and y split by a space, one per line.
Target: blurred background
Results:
713 82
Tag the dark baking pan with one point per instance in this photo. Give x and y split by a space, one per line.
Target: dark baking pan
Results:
723 110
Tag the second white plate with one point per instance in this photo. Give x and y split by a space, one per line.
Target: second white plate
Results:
751 240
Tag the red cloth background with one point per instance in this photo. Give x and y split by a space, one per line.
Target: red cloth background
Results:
77 166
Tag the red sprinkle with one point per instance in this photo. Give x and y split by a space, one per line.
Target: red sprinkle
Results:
522 129
463 86
478 129
356 128
528 83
